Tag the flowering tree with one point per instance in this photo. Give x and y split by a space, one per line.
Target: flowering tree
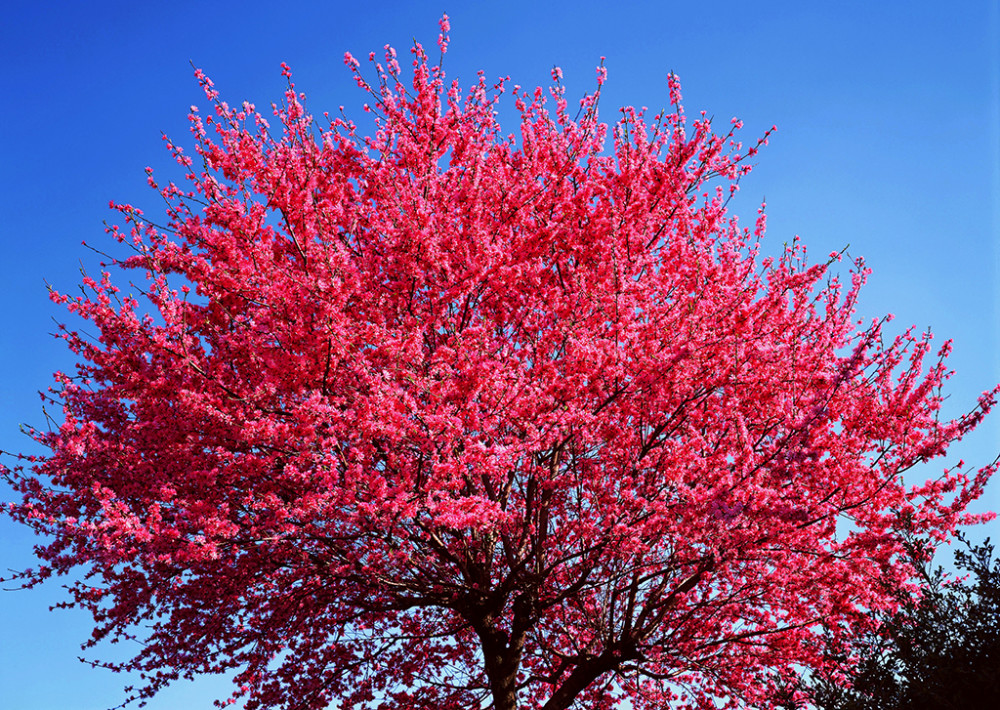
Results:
444 418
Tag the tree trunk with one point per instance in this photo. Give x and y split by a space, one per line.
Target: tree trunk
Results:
501 661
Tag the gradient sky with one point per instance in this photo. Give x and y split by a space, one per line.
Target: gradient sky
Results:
887 115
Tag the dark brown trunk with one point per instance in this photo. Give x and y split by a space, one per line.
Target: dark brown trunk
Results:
501 661
503 686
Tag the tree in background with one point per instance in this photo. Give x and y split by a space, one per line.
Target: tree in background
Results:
441 417
940 651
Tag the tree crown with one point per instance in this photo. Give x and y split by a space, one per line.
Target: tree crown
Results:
443 417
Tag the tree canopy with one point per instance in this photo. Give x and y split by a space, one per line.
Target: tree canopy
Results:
444 417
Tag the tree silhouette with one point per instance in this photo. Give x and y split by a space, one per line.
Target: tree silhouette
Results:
939 652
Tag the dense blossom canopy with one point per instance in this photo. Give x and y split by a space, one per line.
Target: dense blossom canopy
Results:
441 417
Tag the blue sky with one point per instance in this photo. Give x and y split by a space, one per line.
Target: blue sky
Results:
888 117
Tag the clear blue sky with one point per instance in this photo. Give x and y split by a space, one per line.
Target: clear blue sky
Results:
887 140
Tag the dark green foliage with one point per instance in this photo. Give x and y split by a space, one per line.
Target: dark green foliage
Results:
941 653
